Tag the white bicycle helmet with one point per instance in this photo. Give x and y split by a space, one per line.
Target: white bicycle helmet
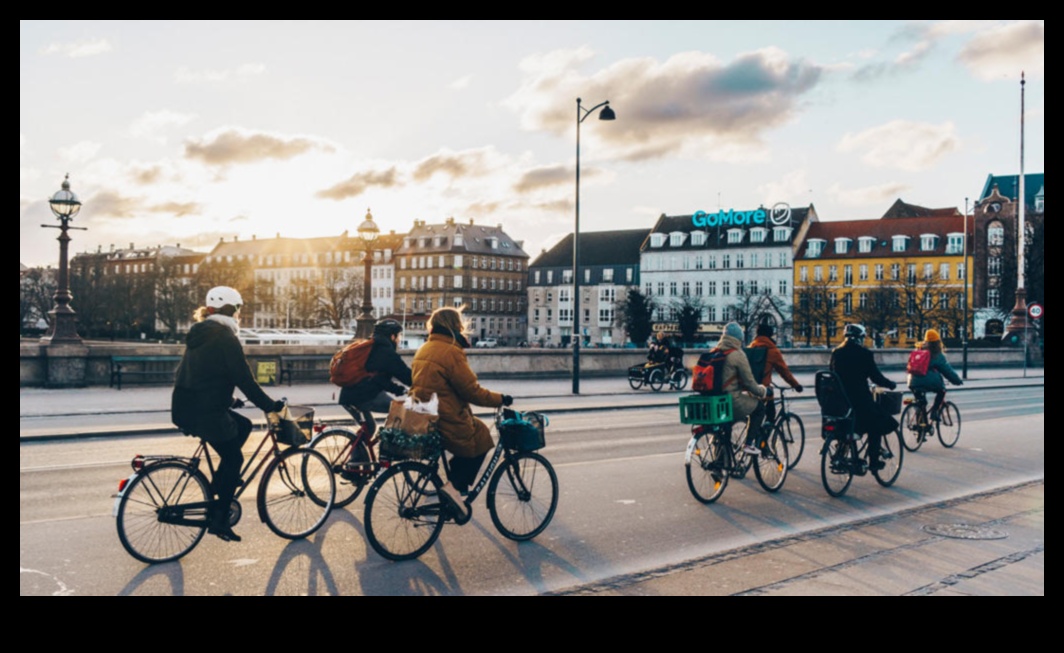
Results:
855 332
224 296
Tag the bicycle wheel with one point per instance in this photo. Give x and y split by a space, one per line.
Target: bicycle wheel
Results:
401 522
296 493
772 465
522 497
911 431
656 381
707 472
949 425
152 526
794 433
635 379
678 380
892 455
338 446
836 466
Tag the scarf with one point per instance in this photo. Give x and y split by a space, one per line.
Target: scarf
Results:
233 325
458 338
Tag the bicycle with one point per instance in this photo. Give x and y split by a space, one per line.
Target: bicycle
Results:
404 517
845 455
651 375
917 425
716 452
340 446
161 509
790 426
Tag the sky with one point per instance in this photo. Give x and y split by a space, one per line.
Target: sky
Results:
185 133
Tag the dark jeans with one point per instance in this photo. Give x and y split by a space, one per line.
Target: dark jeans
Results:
464 471
363 412
230 459
757 419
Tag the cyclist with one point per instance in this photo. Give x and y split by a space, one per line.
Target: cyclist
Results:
856 366
774 362
659 350
213 366
441 368
938 372
739 382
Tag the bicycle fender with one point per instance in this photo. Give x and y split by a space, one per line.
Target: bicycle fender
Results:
118 496
690 452
333 429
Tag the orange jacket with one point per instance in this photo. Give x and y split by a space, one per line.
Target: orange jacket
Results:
774 363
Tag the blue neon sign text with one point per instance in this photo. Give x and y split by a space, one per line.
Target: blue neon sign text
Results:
730 217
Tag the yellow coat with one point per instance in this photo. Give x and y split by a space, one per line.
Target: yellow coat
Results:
440 367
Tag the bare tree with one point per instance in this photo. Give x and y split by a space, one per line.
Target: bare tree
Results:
341 296
816 311
634 314
688 317
754 306
174 301
39 288
879 310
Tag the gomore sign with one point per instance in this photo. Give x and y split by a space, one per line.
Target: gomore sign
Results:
779 216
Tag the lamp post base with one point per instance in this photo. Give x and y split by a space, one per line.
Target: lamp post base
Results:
65 365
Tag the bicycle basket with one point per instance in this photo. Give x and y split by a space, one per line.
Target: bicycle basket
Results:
889 401
294 427
706 411
397 445
524 433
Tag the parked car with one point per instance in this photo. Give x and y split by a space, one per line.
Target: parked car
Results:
487 343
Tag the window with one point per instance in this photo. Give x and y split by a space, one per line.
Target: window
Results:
740 288
699 288
961 271
943 272
929 271
699 264
901 243
781 234
607 275
864 273
847 305
712 262
928 243
535 277
758 235
711 314
815 248
587 276
996 235
993 266
993 298
629 275
847 277
863 301
677 239
842 245
833 274
661 289
783 288
698 238
725 288
803 275
818 274
567 276
727 261
785 260
955 244
712 288
735 236
895 272
657 240
672 289
865 245
740 261
458 282
755 259
686 289
943 301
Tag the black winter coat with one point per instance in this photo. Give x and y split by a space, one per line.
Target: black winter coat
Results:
386 365
212 368
855 367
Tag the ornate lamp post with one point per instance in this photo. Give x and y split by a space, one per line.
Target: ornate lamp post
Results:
65 206
581 115
368 232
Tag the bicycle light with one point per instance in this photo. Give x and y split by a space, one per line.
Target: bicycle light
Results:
122 485
138 463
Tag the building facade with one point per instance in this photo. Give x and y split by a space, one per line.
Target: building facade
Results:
730 266
609 266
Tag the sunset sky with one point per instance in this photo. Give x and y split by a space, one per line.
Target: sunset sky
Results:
188 132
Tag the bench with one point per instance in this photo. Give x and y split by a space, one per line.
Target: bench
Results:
148 369
311 367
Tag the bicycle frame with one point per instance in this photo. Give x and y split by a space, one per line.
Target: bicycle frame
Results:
737 464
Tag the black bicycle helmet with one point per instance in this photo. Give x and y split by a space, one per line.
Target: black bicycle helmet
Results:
387 328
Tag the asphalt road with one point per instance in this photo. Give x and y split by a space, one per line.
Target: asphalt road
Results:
626 523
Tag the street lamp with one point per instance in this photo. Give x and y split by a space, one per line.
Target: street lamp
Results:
368 232
581 115
65 207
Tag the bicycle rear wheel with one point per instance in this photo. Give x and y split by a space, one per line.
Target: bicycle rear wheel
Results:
523 496
338 447
402 523
296 493
707 472
836 466
772 465
656 381
949 425
911 432
152 525
892 455
635 380
794 433
678 380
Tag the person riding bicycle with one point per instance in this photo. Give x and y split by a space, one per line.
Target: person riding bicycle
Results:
441 368
938 372
856 367
739 382
659 350
212 367
774 362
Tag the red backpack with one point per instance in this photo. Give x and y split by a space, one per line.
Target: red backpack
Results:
348 366
709 372
919 362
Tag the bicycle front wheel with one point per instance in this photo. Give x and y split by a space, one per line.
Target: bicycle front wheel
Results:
707 473
836 466
296 493
773 463
153 525
911 431
794 433
892 455
635 380
949 425
523 496
338 447
401 521
678 380
656 380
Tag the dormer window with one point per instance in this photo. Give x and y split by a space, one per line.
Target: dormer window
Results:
781 234
657 240
406 243
459 241
1040 202
735 236
928 243
436 241
865 245
758 235
422 242
698 238
677 239
494 243
842 245
901 243
815 248
955 244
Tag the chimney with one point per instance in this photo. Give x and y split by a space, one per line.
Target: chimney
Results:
131 247
470 222
254 237
450 222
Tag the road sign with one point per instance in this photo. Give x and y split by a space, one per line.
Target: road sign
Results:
1035 311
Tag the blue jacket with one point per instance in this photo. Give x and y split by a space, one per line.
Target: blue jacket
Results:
938 372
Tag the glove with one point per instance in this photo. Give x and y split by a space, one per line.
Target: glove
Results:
278 406
893 386
507 400
237 404
799 389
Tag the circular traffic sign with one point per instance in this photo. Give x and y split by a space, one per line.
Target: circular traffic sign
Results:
1035 311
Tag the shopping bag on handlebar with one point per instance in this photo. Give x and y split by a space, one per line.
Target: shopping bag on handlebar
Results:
409 416
293 426
524 432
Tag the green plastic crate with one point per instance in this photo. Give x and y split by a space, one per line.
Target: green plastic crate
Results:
706 411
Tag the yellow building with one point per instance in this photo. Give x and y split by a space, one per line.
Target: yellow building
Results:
897 276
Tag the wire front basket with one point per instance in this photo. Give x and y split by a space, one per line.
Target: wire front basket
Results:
294 426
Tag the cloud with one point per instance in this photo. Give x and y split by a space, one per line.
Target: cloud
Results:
461 83
470 163
77 49
234 146
151 125
868 195
146 176
794 189
112 204
1005 50
902 145
550 176
185 75
80 153
359 184
690 103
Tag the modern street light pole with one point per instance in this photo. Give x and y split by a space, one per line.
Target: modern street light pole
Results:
63 330
581 115
367 233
